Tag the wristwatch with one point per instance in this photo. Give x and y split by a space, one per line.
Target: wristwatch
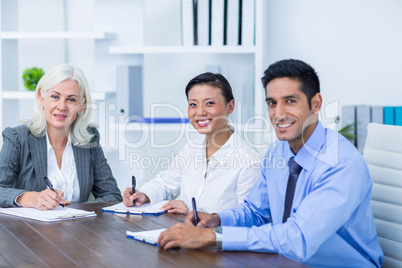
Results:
218 237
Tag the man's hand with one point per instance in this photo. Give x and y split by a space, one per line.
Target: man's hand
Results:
204 219
44 200
186 236
139 197
175 206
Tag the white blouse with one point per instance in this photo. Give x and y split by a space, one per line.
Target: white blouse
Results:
221 183
65 178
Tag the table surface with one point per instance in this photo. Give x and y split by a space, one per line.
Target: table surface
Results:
101 242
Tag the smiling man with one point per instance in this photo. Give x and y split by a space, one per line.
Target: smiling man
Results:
316 208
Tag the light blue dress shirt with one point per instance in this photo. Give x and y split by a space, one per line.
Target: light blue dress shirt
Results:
331 221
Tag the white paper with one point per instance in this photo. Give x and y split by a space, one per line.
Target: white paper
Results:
57 214
148 208
146 236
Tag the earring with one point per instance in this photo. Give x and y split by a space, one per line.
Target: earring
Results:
78 114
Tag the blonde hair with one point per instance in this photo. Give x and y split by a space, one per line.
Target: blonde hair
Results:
78 130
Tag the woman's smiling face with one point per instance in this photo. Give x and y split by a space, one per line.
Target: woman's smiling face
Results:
207 109
61 104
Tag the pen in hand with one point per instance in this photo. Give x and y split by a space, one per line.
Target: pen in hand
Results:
50 185
133 183
195 212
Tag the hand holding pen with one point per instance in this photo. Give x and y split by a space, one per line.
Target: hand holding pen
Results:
134 184
133 197
195 214
50 185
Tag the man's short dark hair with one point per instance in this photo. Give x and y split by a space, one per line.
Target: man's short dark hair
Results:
297 70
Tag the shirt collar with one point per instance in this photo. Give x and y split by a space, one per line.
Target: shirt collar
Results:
311 149
227 149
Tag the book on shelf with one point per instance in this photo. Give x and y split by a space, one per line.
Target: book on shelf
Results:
233 22
349 118
398 116
247 22
129 90
363 117
203 22
217 19
389 115
377 114
187 22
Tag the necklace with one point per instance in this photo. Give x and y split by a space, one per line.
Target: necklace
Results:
58 150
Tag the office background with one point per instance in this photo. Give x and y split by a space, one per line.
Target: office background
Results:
354 46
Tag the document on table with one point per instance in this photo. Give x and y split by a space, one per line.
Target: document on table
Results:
150 237
57 214
145 209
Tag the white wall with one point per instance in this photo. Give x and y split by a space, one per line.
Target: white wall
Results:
354 45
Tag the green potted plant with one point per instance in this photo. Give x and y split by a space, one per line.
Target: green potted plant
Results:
31 77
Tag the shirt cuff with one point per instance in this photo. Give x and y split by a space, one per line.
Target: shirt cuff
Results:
149 191
226 217
15 200
234 238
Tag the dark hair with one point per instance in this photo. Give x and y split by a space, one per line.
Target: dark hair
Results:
215 80
297 70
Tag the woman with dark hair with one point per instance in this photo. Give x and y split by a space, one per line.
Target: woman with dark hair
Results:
218 170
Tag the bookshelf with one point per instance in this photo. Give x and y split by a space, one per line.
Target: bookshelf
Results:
162 57
55 35
30 36
99 36
181 50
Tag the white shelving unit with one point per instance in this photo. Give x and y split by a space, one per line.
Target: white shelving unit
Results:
47 43
181 50
163 63
99 35
56 35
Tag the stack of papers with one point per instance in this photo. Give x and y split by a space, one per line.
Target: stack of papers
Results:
150 237
145 209
57 214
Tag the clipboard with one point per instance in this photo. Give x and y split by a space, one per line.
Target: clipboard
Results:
148 237
145 209
57 214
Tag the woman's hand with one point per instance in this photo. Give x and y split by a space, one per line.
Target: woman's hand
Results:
44 200
175 206
139 197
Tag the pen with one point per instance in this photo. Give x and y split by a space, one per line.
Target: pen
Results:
195 212
133 183
50 185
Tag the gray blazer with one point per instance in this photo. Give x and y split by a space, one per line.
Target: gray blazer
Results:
23 163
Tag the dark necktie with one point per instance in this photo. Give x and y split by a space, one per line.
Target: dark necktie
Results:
294 171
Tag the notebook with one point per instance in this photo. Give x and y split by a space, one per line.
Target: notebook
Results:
57 214
145 209
149 237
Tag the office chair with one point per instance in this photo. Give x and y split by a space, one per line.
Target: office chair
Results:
383 154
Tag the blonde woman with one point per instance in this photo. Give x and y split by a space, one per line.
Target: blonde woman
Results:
58 143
